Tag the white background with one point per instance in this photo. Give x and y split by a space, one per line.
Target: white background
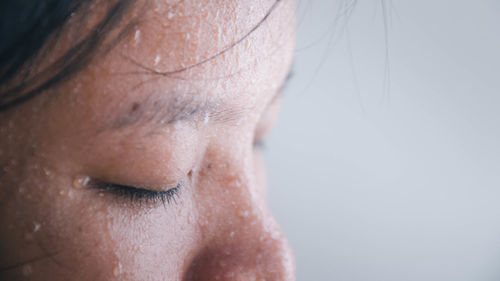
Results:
385 164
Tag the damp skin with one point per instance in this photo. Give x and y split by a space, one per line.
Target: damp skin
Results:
112 123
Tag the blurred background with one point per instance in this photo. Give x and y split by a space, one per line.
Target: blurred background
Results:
385 164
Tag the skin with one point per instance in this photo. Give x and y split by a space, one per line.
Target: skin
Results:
58 226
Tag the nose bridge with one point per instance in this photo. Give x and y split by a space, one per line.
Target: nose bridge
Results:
246 242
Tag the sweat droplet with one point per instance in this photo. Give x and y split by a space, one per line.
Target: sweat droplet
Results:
157 59
47 172
137 36
80 182
36 226
206 119
244 214
118 270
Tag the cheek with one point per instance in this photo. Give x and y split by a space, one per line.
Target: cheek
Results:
88 237
62 236
154 243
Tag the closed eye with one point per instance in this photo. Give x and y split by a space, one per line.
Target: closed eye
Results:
139 195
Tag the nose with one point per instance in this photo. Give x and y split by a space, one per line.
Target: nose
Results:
243 242
252 254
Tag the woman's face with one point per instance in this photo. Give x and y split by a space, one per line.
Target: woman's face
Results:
131 170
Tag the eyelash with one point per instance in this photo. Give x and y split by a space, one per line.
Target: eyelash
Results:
140 195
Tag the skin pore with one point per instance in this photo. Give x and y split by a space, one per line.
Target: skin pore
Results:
143 165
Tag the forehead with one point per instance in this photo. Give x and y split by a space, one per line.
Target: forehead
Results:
184 33
232 51
206 39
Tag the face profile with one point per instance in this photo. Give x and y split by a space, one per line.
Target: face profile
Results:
130 145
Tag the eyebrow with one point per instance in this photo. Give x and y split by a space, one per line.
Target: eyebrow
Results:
166 111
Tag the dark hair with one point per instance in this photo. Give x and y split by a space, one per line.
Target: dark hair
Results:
32 27
28 28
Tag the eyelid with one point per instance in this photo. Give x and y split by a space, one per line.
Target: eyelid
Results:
138 195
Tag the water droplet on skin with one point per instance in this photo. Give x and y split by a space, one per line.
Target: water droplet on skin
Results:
177 126
231 234
137 36
80 182
118 270
244 214
276 235
206 119
36 226
27 270
157 59
170 15
47 172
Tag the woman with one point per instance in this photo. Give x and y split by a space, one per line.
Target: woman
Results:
129 139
